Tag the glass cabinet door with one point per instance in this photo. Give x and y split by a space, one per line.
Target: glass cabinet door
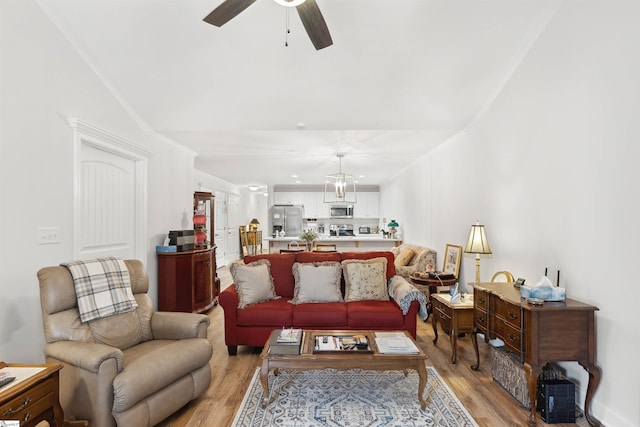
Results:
203 219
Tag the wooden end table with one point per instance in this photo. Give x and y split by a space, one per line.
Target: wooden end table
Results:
455 318
429 286
376 361
33 396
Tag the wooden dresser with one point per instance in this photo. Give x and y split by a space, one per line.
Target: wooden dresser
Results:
187 281
552 332
33 396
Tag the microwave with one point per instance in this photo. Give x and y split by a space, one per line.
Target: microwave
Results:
341 211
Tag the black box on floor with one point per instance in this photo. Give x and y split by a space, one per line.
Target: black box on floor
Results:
557 401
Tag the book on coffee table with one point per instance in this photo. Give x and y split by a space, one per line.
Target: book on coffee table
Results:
282 348
395 343
290 335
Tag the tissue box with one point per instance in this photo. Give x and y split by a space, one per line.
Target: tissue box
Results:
545 293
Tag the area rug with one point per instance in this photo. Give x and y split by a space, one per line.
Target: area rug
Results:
352 398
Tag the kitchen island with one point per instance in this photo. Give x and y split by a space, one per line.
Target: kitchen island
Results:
358 243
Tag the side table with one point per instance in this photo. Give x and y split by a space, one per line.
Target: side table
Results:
429 286
455 318
33 396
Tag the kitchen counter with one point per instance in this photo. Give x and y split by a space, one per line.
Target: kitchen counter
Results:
359 243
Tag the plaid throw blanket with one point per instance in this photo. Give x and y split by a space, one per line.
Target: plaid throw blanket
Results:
403 293
103 287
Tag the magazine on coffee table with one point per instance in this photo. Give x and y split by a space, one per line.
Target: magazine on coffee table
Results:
342 344
395 343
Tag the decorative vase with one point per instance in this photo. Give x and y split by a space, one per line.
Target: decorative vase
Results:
309 245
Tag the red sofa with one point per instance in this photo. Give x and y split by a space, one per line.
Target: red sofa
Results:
252 325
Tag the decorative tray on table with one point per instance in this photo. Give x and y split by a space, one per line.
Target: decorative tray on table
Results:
341 344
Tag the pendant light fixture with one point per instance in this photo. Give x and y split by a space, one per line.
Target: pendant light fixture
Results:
340 187
289 3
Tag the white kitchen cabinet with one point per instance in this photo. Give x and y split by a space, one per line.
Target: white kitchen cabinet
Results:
368 205
288 198
310 202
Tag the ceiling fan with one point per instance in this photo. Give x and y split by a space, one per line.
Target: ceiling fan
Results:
308 10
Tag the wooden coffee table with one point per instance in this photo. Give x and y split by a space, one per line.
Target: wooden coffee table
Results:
375 361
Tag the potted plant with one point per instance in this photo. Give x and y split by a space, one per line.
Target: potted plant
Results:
309 236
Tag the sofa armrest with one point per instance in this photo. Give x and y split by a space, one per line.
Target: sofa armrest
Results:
88 356
229 300
167 325
405 294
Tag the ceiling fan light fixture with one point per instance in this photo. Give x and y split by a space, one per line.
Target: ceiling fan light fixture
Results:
289 3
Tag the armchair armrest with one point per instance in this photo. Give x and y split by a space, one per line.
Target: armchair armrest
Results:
176 326
88 356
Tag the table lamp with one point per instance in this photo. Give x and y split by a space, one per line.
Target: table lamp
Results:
253 225
478 245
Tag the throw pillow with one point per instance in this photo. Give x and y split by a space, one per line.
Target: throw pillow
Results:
404 257
253 282
317 282
365 279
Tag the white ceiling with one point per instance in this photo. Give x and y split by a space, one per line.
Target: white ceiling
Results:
401 77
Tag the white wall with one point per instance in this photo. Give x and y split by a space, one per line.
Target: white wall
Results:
44 80
551 170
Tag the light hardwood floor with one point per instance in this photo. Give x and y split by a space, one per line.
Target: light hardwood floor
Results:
487 402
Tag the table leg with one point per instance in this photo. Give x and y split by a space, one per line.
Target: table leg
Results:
264 380
454 343
434 323
422 384
532 373
474 339
594 380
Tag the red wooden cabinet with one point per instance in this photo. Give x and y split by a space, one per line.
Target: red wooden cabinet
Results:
187 281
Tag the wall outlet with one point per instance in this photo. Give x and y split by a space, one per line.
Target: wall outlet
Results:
48 235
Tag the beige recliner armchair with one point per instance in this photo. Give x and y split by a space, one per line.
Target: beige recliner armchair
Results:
130 369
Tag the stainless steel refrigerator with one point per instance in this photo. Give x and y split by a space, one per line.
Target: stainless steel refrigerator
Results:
287 218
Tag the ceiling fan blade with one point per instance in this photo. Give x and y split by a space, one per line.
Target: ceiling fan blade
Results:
314 23
228 10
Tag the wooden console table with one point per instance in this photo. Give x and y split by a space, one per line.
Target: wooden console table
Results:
33 396
538 334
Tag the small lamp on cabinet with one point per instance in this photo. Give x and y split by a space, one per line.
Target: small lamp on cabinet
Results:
478 245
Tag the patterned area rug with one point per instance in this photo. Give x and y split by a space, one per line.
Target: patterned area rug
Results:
351 399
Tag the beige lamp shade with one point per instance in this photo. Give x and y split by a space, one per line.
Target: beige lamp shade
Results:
477 244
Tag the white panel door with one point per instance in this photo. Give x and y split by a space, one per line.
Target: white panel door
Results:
106 214
220 233
110 194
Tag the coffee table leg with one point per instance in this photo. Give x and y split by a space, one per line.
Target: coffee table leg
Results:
422 384
264 379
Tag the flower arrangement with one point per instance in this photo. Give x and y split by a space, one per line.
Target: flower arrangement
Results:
309 236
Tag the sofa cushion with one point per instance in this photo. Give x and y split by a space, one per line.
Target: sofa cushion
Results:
365 279
317 282
329 314
404 257
253 282
281 265
275 313
374 314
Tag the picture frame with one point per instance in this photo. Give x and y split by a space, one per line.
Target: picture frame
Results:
452 258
